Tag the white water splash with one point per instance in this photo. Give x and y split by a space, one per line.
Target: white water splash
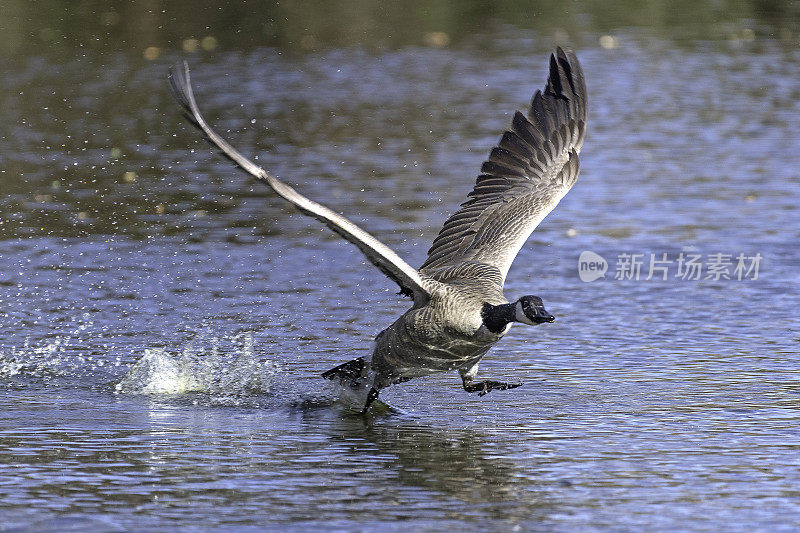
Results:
218 372
10 366
158 372
75 352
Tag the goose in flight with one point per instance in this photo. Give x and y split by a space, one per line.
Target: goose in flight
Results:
459 310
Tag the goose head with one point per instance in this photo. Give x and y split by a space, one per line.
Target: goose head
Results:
527 310
530 310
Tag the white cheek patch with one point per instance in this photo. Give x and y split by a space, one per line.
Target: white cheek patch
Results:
520 316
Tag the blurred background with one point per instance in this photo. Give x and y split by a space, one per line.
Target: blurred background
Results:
132 27
85 115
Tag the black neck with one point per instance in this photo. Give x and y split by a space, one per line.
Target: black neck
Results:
497 317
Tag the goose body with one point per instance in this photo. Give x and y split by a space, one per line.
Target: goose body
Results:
459 309
447 333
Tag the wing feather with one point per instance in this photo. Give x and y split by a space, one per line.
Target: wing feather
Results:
533 166
376 252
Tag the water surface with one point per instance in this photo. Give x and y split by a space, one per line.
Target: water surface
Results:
164 319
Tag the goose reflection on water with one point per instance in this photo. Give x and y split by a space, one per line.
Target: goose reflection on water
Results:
459 463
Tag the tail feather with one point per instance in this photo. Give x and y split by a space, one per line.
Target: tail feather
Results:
352 373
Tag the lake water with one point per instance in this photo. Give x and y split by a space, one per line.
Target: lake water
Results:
164 319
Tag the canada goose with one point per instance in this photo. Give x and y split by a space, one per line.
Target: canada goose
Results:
459 309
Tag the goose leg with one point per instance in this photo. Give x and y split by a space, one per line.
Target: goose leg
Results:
371 397
484 387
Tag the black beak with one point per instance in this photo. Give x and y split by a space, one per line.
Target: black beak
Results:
533 309
540 315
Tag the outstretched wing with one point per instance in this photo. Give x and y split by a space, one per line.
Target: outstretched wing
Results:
527 174
376 252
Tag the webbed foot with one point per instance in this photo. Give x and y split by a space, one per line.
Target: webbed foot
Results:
484 387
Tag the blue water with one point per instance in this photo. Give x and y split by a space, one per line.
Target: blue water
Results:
164 320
